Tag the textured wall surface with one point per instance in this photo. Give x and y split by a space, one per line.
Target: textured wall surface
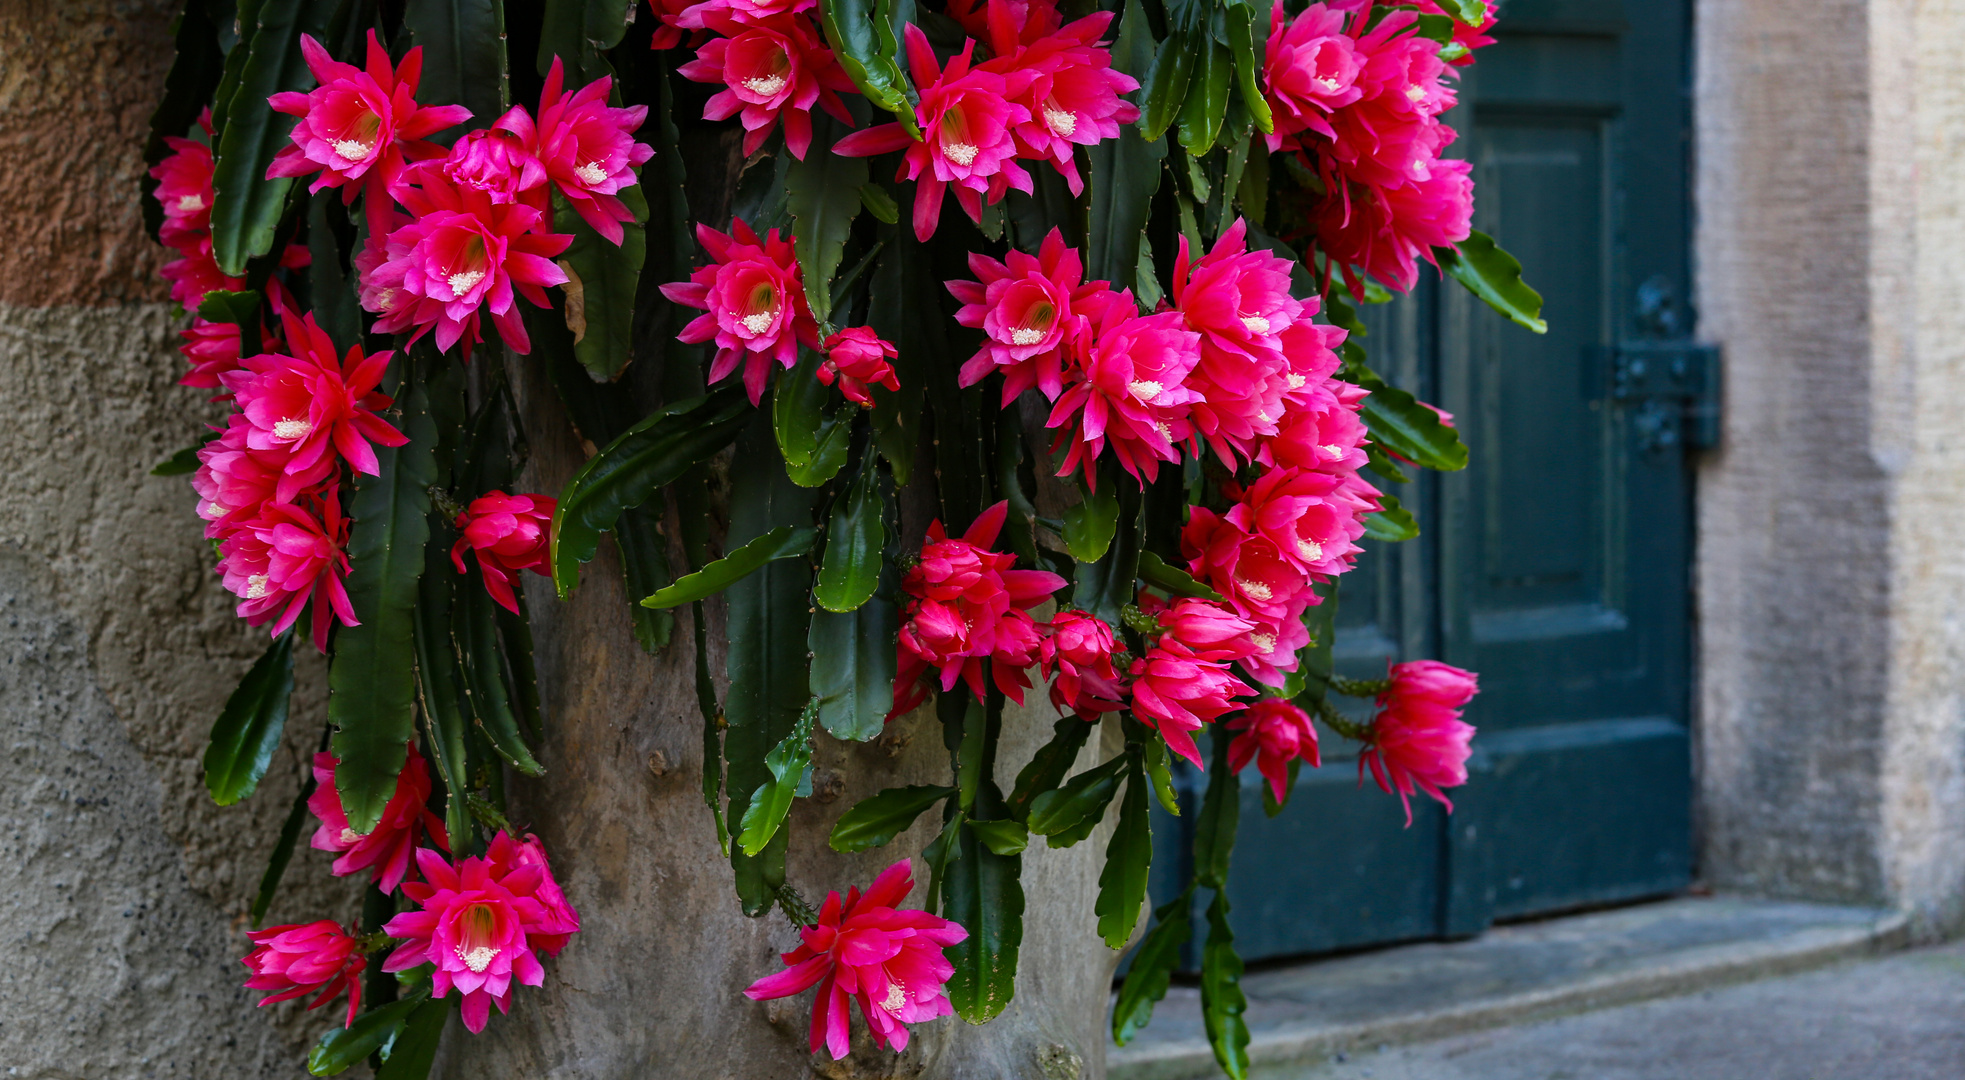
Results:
1829 576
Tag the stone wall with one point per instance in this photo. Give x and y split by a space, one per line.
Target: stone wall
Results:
1831 588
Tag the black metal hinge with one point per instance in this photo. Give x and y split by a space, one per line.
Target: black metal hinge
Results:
1671 387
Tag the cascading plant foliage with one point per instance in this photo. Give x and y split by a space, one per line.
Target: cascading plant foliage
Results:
1127 355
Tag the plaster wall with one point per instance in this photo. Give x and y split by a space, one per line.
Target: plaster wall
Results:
1832 741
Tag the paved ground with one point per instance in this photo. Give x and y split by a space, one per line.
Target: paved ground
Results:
1901 1017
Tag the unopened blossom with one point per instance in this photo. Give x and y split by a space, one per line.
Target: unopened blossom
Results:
510 533
677 23
967 604
1273 733
1074 98
459 253
212 348
772 70
1077 657
754 297
1029 308
1310 70
385 850
1418 741
857 358
476 924
587 148
497 160
1246 568
968 119
360 128
281 556
868 949
314 406
296 960
1313 518
1176 693
1209 629
1239 301
1129 391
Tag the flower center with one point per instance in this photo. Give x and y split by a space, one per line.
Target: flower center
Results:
765 85
1295 381
1310 549
476 928
352 150
1264 643
1256 324
256 586
350 837
1332 449
591 173
357 140
960 153
1038 319
761 311
896 997
292 429
1330 83
191 203
471 269
465 281
1255 590
956 144
1061 121
1144 389
1415 93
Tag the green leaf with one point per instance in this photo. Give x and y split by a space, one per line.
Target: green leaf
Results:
515 635
600 295
1007 837
1125 172
861 33
1153 967
814 444
1088 526
194 75
1221 811
1048 767
1222 999
185 461
1400 423
439 678
463 58
633 467
854 541
1471 12
983 893
246 206
248 729
372 678
414 1050
1156 760
342 1047
1168 84
880 204
1241 20
787 763
474 625
1105 587
1068 814
1393 523
1496 277
1156 572
1207 96
276 866
875 821
780 543
1437 28
894 302
241 309
1122 883
712 731
822 193
577 31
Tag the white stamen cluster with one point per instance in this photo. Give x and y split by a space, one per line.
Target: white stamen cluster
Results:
896 997
1296 381
1255 590
1311 550
477 959
465 281
1144 389
765 85
190 204
350 836
291 428
760 322
1330 84
1024 335
1264 643
1256 324
1415 93
256 586
353 149
1060 121
591 173
961 153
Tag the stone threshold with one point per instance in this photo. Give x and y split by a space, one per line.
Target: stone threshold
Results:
1305 1013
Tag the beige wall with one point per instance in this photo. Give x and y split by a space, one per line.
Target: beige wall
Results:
1831 580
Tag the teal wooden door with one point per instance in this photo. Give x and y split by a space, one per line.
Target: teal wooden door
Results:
1556 564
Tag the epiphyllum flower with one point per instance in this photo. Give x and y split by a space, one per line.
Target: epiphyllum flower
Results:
1130 392
1323 433
773 69
277 559
867 949
1310 70
1027 305
1313 518
1418 739
1275 642
1384 232
587 147
510 534
966 604
359 129
384 851
1176 692
1274 733
1248 569
561 921
967 121
496 161
857 357
184 189
756 304
233 480
476 925
1074 100
671 14
1209 630
194 272
312 406
1239 302
1077 656
461 251
295 960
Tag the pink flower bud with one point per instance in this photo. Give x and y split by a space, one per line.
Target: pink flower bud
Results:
510 533
857 357
295 960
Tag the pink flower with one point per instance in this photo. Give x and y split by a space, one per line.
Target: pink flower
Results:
279 557
1239 302
967 604
312 406
1323 433
1313 518
1176 693
587 148
1384 232
184 188
359 129
1077 657
497 160
294 961
1310 350
1311 70
865 948
233 480
1209 630
1248 569
1028 306
561 921
675 17
857 357
968 119
462 251
742 12
776 68
212 348
755 299
385 851
1130 392
1074 99
194 272
1273 734
1276 641
476 925
1418 739
510 533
